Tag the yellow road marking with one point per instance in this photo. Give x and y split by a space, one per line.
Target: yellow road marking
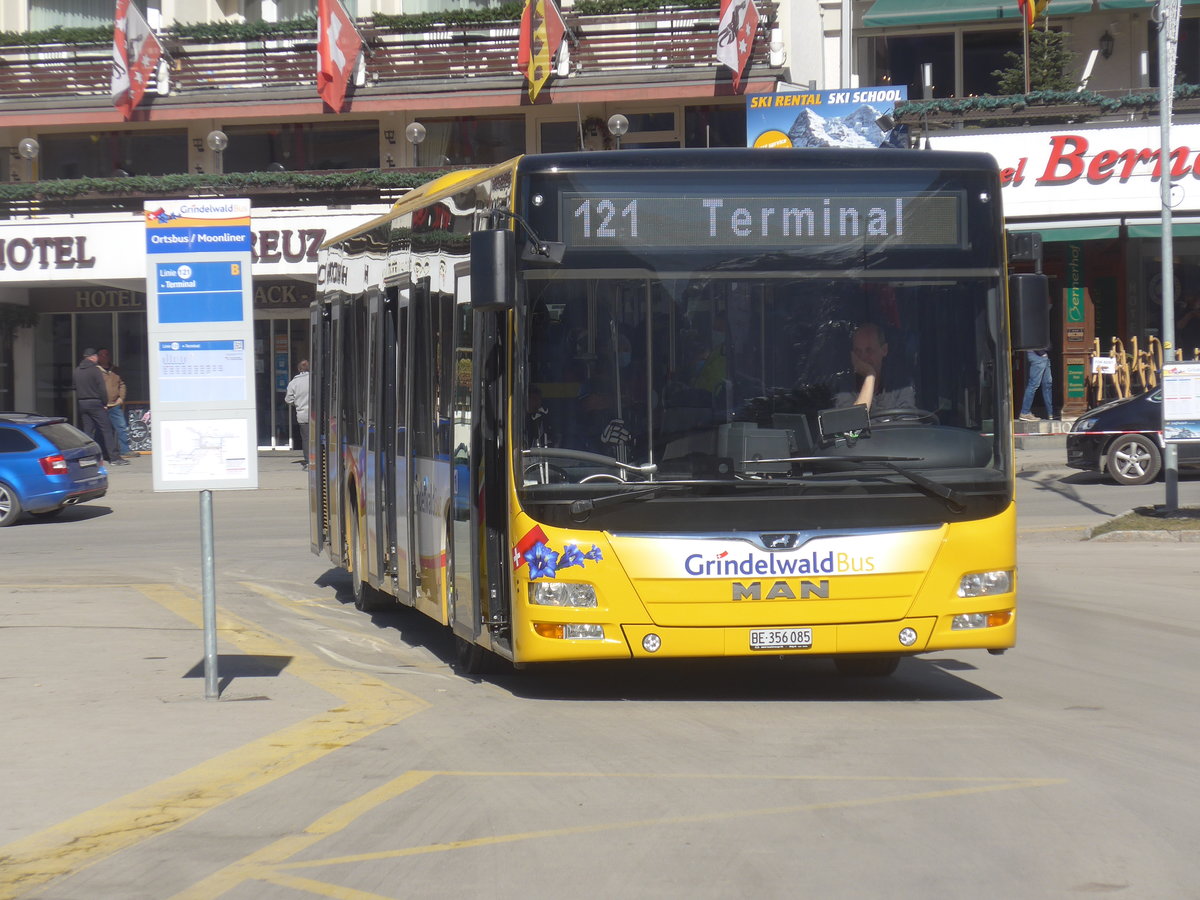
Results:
368 705
271 864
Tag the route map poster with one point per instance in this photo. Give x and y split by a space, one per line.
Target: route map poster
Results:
1181 402
200 319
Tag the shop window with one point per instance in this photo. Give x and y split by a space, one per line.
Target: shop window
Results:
301 147
714 126
104 154
983 52
1187 55
559 137
471 140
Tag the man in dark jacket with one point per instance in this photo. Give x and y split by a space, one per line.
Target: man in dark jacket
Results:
91 397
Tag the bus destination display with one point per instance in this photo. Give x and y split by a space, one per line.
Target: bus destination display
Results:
623 220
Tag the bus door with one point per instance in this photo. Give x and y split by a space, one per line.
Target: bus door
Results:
392 446
333 426
319 406
429 486
400 513
376 568
464 556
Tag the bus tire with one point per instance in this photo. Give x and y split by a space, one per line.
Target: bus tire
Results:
366 598
866 665
470 658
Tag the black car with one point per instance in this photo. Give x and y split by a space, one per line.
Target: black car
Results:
1124 438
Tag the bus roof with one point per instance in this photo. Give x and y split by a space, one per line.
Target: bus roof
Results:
429 193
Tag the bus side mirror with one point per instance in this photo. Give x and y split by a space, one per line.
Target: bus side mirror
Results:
493 269
1029 311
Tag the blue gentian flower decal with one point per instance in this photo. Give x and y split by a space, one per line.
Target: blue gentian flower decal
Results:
543 562
571 556
594 554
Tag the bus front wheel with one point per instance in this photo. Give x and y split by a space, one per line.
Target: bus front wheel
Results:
867 666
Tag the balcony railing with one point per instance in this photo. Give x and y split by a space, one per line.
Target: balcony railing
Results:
668 41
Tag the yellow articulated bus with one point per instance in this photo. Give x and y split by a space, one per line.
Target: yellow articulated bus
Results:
679 403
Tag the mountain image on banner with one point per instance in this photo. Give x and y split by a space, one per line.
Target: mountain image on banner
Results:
855 129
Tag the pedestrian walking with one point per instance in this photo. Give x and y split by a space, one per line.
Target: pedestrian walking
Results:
297 398
1038 375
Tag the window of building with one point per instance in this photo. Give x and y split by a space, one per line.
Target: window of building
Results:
104 154
45 14
471 140
301 147
962 61
1187 55
714 126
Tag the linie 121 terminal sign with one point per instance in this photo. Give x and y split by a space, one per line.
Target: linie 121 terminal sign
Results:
201 344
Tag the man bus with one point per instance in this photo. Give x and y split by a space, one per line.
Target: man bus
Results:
594 406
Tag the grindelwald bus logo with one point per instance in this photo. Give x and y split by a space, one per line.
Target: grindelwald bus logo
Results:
779 541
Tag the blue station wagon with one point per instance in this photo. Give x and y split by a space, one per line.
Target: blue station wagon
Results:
46 465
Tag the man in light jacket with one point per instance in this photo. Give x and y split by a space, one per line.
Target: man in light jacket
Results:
297 398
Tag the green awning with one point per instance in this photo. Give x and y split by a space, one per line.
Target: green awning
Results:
895 13
1134 4
1185 229
1076 233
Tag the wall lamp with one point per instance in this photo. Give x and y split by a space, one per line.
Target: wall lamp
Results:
1106 44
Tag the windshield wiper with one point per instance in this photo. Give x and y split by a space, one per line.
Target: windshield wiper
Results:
645 470
581 509
954 499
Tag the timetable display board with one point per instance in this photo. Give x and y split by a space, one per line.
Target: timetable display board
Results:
200 319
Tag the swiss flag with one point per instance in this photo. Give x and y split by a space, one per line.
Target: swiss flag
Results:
534 536
136 52
338 46
735 35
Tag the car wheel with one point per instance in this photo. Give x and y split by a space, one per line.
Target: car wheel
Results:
1133 459
866 666
10 506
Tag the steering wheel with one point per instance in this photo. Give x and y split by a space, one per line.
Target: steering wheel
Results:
554 474
887 416
602 476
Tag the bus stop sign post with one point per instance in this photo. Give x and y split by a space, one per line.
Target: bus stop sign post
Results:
200 332
208 581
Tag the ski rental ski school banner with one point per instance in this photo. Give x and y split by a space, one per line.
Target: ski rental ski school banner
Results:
841 118
200 328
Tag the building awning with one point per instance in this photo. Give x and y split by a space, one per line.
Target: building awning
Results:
1178 229
1134 4
1072 232
896 13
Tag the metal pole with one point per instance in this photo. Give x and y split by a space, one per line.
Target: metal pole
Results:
211 691
1168 36
847 44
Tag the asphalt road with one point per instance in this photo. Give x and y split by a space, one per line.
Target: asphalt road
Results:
347 759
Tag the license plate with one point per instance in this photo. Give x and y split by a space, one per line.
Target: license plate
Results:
87 461
780 638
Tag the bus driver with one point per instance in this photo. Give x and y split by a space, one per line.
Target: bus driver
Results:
868 350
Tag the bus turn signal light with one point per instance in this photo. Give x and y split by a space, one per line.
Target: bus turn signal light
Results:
981 620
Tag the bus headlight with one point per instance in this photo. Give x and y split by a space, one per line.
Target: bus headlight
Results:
558 593
983 584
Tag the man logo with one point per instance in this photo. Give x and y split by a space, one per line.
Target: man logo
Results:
779 541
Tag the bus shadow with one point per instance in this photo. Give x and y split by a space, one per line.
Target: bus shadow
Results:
778 678
933 678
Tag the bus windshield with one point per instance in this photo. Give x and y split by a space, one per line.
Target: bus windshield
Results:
734 383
